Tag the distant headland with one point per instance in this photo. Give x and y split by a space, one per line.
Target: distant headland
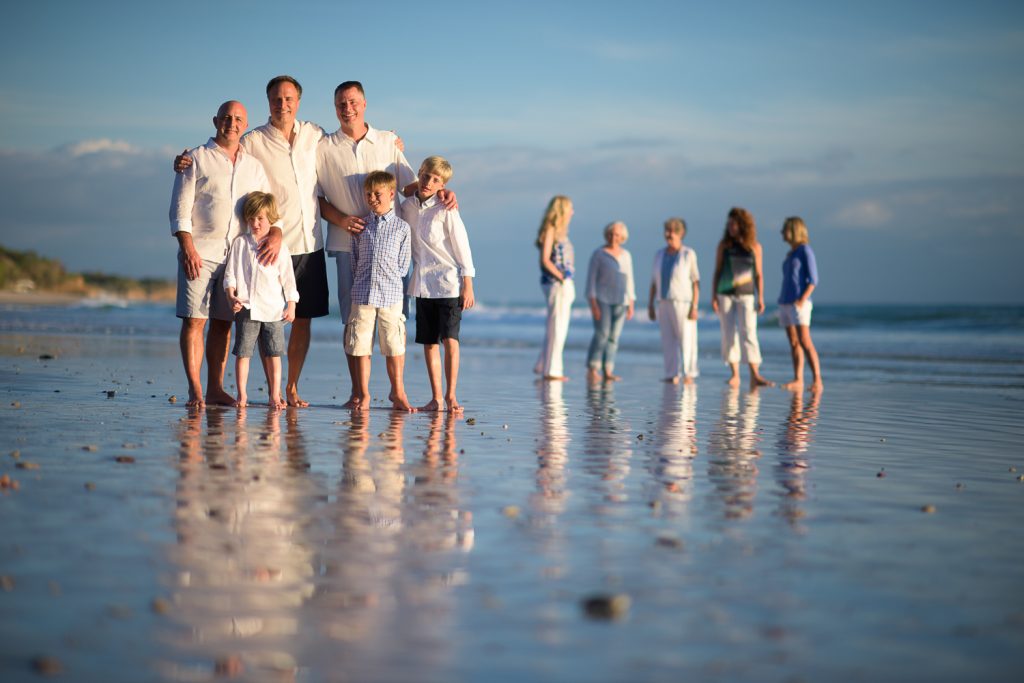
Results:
26 277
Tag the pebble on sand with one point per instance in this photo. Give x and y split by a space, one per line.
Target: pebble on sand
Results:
111 393
47 666
160 606
127 459
6 583
89 486
172 399
607 606
27 465
471 421
928 509
15 454
15 404
7 483
92 448
510 511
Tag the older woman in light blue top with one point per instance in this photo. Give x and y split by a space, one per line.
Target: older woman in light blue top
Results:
611 294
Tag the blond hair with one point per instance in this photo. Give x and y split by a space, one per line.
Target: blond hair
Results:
439 166
794 231
255 202
676 226
556 219
379 179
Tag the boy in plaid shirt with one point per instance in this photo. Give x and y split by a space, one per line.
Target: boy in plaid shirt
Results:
380 258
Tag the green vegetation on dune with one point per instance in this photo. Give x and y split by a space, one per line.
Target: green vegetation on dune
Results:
28 271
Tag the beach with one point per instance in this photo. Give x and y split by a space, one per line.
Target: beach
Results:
633 531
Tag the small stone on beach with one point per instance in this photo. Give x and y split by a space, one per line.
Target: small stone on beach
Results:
111 393
160 606
92 448
471 420
89 486
46 356
124 459
6 583
510 511
15 454
607 606
881 473
47 666
27 466
928 509
172 399
15 404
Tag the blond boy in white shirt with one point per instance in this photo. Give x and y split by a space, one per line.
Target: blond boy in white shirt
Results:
263 298
442 278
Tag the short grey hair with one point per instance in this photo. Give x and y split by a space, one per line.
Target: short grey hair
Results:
611 226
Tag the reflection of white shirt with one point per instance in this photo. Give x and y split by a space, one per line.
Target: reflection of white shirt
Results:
291 169
440 249
342 165
680 287
264 290
208 196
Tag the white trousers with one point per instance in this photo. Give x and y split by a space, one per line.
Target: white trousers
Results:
678 338
560 296
739 329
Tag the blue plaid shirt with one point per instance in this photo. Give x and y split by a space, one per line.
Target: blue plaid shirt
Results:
380 258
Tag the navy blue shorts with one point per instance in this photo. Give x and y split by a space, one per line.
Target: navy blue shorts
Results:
311 281
437 319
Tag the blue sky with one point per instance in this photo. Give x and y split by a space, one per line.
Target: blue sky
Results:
892 128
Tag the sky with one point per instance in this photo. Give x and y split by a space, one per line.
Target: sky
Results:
893 128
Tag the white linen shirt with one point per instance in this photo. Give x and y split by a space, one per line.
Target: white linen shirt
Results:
291 169
208 196
342 165
264 290
680 288
440 249
610 278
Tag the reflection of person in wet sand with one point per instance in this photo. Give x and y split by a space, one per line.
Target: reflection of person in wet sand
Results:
241 570
607 443
671 464
795 436
733 452
552 450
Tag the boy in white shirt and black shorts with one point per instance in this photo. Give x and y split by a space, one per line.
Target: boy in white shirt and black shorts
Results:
442 278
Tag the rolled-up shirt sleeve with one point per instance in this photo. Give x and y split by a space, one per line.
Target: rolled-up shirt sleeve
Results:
460 244
183 197
284 260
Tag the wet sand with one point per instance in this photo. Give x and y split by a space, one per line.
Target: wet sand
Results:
628 532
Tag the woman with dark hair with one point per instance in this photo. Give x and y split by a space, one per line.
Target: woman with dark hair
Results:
737 295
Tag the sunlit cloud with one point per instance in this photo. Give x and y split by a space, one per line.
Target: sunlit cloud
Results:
869 214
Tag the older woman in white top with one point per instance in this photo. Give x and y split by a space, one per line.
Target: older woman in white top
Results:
675 287
611 294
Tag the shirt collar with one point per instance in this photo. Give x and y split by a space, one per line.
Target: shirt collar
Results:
271 130
212 144
428 202
384 217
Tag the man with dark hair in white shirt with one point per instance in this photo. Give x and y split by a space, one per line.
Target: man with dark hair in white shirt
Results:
205 214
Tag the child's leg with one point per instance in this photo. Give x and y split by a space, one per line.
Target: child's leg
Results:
432 357
391 332
272 369
361 398
358 347
451 374
242 379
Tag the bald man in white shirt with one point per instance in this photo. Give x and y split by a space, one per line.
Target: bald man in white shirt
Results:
206 215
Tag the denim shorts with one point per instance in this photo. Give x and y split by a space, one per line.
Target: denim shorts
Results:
247 331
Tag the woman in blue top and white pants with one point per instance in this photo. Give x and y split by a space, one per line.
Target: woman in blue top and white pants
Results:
675 290
799 278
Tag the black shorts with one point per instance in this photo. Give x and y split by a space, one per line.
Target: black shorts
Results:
311 281
437 319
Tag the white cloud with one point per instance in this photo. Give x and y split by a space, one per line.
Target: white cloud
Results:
84 147
869 214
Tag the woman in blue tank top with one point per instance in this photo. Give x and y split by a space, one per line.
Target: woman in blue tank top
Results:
556 280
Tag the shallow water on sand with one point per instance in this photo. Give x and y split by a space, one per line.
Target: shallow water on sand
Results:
750 531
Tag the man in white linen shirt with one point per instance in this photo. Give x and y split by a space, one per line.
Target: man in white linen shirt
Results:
344 159
206 215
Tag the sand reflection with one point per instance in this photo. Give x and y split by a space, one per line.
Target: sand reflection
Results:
671 462
242 567
607 446
733 451
794 439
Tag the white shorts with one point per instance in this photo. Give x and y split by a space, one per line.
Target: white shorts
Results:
791 316
390 330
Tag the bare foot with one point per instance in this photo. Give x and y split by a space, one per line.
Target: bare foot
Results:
795 385
194 401
453 405
593 375
352 402
401 403
293 398
733 381
242 401
817 387
277 403
609 377
671 380
759 381
555 378
219 397
687 380
431 407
